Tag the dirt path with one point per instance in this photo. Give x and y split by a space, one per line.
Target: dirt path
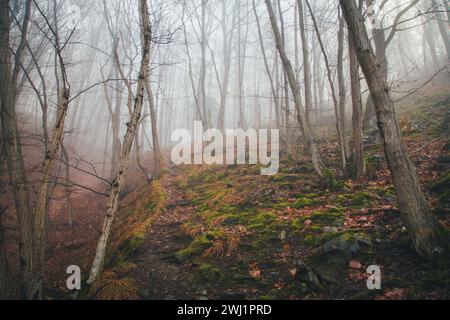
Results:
159 275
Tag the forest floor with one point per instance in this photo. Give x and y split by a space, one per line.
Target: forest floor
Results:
213 232
229 233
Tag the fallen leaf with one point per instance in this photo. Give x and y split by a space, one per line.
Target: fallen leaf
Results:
354 264
395 294
254 271
293 272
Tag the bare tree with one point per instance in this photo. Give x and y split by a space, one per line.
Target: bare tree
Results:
382 40
228 31
426 233
339 126
295 87
12 144
118 184
357 118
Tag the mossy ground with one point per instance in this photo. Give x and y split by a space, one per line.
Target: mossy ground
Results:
256 237
127 235
250 232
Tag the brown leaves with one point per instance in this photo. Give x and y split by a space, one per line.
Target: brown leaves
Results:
394 294
356 272
354 264
254 271
293 272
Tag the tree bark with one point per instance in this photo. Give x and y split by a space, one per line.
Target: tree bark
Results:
155 136
340 132
4 280
266 63
443 30
306 64
357 118
426 233
342 88
295 87
13 150
117 186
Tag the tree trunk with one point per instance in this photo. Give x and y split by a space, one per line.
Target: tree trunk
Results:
13 150
425 231
155 136
443 30
306 64
295 87
342 88
3 262
357 119
227 35
340 132
117 186
266 63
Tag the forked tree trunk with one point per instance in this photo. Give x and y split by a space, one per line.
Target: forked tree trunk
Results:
117 186
426 233
295 87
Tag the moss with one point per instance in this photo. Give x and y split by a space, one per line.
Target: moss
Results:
331 181
360 199
355 200
110 286
333 217
308 200
126 238
262 220
196 248
130 234
207 272
303 202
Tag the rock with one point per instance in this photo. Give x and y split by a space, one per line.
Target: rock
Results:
330 229
333 198
348 245
328 266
